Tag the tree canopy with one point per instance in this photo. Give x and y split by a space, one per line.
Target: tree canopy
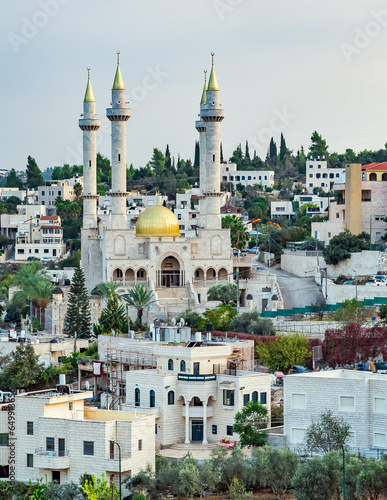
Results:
249 424
327 433
34 175
226 294
343 244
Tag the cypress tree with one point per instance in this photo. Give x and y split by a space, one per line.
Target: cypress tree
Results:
168 162
283 147
197 154
34 175
247 154
272 149
13 180
78 320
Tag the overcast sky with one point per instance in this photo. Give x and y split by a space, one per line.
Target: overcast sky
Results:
291 66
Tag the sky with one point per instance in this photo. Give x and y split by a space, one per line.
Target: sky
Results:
283 66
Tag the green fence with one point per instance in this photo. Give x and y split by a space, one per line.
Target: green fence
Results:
376 301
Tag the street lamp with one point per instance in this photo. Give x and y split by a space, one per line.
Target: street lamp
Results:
119 466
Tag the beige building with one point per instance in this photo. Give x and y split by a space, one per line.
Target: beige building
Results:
48 194
59 437
290 208
193 387
360 205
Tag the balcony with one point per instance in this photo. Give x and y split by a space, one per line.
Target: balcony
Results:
113 465
197 411
142 410
191 377
51 459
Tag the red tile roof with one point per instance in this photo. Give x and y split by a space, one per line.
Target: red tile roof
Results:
375 166
49 217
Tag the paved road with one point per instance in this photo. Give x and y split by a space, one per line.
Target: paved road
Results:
296 291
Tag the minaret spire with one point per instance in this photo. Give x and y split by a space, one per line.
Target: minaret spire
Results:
118 82
89 96
212 83
204 94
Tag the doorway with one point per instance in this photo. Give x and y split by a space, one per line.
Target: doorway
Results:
56 476
170 272
197 430
196 368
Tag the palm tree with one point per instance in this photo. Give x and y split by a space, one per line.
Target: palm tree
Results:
113 315
238 232
37 289
140 298
43 297
107 291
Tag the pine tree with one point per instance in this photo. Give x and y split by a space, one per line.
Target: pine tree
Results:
221 152
197 154
78 320
13 180
283 148
34 175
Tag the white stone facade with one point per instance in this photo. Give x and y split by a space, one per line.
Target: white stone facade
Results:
359 397
319 175
59 437
47 195
246 178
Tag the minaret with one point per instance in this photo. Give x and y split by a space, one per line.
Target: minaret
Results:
89 124
201 128
212 115
118 114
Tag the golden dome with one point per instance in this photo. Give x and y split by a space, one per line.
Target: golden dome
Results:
157 221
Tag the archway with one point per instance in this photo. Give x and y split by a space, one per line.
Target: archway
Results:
211 274
141 275
384 176
373 176
117 275
222 274
129 275
198 274
170 272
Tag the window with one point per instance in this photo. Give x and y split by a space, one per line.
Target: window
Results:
155 428
228 397
119 157
50 444
20 250
59 193
319 166
380 405
249 177
30 460
213 157
380 439
137 397
46 250
70 405
243 178
337 175
310 185
152 399
298 435
263 398
171 398
170 364
347 403
182 365
88 448
214 429
254 397
30 428
139 444
43 193
310 166
299 401
111 450
178 216
3 439
337 215
246 399
36 250
229 430
329 234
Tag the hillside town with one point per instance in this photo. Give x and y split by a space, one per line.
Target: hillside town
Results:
213 326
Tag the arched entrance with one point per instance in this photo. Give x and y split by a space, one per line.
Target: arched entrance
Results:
170 274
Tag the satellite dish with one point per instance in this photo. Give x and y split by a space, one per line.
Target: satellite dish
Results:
87 385
173 321
182 321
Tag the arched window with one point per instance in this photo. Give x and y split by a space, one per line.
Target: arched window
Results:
137 397
254 397
182 366
152 399
171 398
170 364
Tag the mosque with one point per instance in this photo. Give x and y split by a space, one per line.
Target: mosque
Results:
177 268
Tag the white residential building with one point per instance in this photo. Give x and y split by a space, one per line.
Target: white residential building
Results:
359 397
289 208
230 174
22 220
193 388
40 237
319 175
59 437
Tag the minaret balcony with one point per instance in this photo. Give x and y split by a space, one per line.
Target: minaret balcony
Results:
89 124
212 115
118 114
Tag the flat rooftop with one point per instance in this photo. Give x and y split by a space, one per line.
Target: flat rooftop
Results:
342 374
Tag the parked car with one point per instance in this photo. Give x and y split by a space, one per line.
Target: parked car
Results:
46 259
371 283
31 257
380 277
299 369
350 282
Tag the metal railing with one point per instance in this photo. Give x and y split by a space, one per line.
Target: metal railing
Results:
191 377
51 453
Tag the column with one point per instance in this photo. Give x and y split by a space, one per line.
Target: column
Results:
187 441
205 422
